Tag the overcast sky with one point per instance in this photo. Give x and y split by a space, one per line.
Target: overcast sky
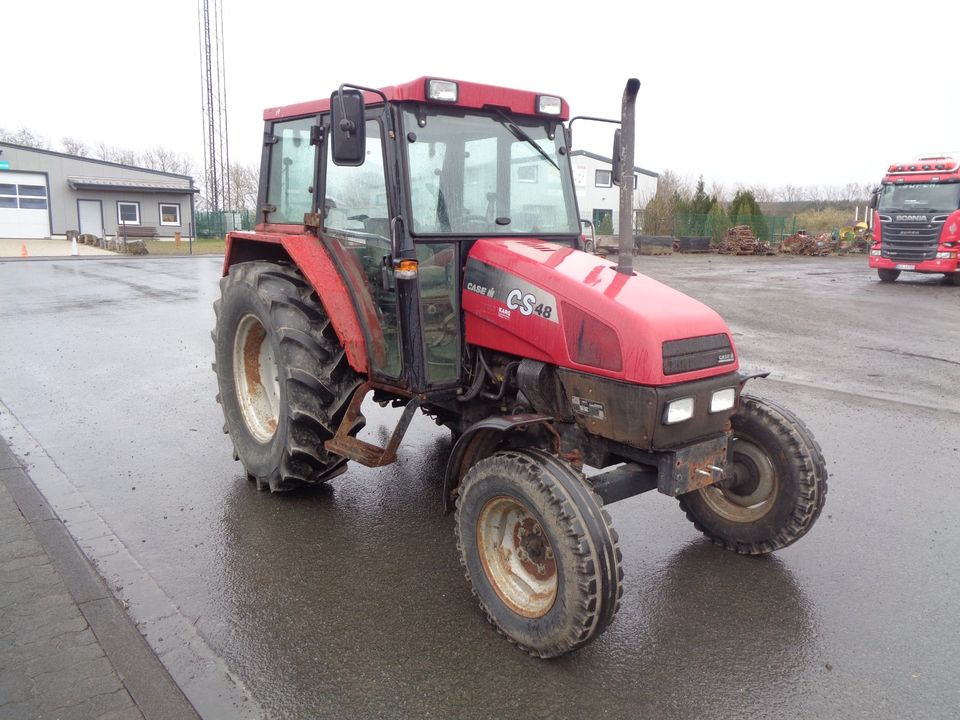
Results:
743 92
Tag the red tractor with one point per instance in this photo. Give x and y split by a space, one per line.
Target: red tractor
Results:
421 243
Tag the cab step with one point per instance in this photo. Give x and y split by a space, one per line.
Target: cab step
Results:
360 451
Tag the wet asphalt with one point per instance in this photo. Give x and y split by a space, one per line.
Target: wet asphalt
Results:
349 601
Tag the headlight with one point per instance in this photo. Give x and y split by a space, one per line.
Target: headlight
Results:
875 253
723 400
946 255
678 411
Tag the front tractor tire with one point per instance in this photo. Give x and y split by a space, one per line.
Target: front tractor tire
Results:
887 275
284 380
775 486
539 551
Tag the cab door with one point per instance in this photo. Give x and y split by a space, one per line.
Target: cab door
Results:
356 212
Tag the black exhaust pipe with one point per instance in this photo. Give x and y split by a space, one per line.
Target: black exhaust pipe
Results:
627 132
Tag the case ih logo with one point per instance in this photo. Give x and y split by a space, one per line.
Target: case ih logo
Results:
911 218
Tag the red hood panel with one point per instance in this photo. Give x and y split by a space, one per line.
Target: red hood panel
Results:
514 295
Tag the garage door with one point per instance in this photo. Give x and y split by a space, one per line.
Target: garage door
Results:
24 205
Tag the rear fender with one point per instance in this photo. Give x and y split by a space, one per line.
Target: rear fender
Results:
325 273
477 442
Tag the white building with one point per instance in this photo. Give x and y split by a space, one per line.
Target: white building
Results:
597 196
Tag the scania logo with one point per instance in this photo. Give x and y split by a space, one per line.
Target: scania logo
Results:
911 218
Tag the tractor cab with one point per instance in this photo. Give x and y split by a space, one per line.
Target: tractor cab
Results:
402 181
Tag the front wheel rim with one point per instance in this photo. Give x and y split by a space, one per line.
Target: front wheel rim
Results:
256 379
750 492
517 557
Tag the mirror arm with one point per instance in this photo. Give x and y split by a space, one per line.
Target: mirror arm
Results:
346 125
568 130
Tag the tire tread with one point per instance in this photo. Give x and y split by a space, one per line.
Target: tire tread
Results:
319 383
799 446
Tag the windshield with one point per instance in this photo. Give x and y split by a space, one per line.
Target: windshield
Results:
925 197
482 174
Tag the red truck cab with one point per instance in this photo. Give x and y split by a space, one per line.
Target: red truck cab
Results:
916 219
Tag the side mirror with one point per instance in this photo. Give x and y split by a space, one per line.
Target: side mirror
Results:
615 170
874 198
348 128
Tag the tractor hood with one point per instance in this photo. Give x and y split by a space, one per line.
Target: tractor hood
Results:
562 306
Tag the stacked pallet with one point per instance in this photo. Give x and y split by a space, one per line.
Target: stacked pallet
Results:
803 244
739 240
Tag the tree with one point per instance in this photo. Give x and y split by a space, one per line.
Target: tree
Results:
699 207
672 199
244 184
744 210
744 205
25 137
160 158
701 204
72 146
717 223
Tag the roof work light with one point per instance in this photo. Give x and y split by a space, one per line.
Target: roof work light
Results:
442 91
549 105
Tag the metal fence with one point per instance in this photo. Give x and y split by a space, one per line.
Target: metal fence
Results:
217 224
770 228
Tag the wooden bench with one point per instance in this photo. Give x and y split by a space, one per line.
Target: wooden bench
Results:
139 231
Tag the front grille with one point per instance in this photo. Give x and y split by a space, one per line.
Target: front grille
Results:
910 241
680 356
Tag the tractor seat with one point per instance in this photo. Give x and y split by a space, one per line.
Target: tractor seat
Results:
434 283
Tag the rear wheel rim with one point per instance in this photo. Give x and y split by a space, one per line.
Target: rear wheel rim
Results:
256 379
517 557
750 492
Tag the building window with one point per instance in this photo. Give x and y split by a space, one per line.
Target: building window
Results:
170 214
602 178
26 197
128 213
8 195
527 173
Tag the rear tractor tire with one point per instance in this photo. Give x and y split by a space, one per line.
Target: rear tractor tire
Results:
283 376
539 551
888 275
776 486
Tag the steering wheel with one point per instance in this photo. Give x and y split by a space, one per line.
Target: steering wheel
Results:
468 223
448 330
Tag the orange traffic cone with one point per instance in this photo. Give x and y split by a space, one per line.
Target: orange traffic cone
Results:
23 250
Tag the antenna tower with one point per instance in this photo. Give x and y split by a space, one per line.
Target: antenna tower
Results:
216 146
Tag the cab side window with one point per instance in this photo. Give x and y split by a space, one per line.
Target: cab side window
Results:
356 197
292 163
